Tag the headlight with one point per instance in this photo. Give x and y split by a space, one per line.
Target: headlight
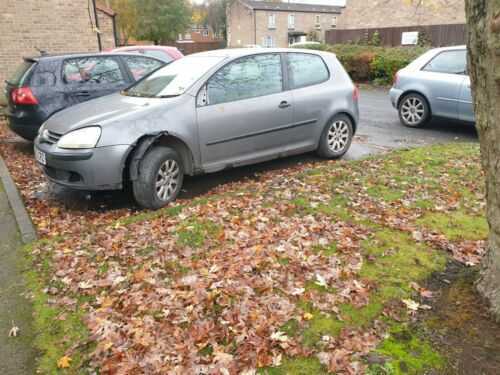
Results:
81 138
41 129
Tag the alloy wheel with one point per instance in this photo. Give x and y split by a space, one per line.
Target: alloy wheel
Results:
338 136
167 180
413 111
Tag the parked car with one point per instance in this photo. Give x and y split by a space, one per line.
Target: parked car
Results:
42 86
436 84
164 53
203 113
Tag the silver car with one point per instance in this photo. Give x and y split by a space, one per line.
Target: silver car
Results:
203 113
434 85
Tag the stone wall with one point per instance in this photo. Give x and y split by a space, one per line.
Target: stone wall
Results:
360 14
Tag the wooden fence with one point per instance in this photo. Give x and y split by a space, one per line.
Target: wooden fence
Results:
194 47
436 35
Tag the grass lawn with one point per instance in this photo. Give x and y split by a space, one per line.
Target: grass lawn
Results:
314 269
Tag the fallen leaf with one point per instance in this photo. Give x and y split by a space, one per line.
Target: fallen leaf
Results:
411 304
64 362
14 330
308 316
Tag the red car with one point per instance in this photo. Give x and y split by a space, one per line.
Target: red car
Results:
164 53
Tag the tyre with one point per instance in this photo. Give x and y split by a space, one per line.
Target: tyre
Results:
414 111
160 178
336 138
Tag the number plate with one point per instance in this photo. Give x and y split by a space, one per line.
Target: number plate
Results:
40 157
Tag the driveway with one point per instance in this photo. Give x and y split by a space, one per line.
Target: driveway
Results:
379 130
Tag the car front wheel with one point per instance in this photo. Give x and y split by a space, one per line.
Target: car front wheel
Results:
414 111
336 138
161 174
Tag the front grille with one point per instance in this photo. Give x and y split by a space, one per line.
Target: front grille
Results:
50 137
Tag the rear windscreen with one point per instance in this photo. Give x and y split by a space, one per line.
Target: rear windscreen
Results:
18 77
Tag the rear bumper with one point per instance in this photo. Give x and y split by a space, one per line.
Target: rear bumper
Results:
24 123
395 94
95 169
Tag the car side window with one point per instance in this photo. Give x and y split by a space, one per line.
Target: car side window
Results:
159 55
247 77
94 70
451 62
306 70
141 66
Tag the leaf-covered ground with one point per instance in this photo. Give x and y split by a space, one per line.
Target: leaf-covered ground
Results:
312 269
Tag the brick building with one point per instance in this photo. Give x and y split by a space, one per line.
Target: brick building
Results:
395 13
54 26
271 24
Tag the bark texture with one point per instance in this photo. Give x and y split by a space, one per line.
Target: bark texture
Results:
483 19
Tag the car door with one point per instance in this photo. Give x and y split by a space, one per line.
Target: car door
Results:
243 113
139 66
90 77
308 78
465 106
443 77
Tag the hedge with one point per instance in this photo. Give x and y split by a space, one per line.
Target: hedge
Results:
371 63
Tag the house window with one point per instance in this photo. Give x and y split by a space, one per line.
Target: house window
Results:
291 21
272 21
318 21
334 22
268 41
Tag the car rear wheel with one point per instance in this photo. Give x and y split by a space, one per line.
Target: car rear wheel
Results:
336 138
414 111
161 174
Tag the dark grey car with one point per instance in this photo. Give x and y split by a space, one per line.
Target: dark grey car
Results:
203 113
44 85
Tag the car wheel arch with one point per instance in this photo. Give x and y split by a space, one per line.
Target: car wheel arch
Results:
140 148
345 113
409 92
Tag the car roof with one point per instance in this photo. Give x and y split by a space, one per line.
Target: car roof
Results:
126 48
239 52
450 48
80 55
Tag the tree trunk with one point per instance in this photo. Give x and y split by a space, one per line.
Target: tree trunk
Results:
483 19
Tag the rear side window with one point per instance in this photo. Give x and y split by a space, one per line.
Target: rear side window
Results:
94 70
21 73
141 66
162 55
306 70
248 77
452 62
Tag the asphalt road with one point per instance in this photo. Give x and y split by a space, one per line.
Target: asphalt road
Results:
379 130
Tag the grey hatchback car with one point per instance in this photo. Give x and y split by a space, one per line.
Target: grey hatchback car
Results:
434 85
202 113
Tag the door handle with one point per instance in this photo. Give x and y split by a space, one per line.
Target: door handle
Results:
284 104
82 93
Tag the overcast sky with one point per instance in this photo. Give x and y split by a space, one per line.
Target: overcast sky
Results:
323 2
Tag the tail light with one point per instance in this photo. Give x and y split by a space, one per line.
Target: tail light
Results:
355 94
23 96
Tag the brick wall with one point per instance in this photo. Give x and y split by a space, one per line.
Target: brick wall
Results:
241 25
106 27
304 22
393 13
56 26
244 30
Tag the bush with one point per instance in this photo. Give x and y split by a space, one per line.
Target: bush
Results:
372 63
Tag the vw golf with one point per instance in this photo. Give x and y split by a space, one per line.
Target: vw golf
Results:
200 114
